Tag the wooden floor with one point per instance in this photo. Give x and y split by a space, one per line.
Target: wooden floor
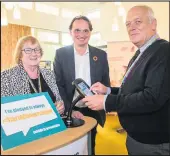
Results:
108 141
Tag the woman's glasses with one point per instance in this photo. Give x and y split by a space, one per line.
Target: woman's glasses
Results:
30 50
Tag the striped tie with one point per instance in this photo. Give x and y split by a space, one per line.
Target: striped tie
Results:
130 63
133 59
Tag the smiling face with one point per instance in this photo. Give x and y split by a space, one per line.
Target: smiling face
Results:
31 57
80 33
139 27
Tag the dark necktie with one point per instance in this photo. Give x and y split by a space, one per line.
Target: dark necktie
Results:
130 63
133 59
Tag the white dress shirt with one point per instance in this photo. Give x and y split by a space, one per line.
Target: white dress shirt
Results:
82 70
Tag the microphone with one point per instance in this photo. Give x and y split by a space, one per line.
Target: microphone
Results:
73 122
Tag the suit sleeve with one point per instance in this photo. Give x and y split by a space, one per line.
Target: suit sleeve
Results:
60 80
114 90
156 91
106 77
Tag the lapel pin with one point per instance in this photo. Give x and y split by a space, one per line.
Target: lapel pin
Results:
95 58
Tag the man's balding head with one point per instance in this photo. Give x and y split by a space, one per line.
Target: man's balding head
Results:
141 24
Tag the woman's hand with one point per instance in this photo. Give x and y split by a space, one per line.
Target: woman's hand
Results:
77 114
60 107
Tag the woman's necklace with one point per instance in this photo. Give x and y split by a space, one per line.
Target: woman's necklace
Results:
39 83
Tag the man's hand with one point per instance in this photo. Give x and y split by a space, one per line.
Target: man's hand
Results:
77 114
60 107
94 102
98 88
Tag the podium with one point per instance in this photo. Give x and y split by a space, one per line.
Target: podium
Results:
63 143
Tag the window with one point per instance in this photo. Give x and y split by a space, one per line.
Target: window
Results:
49 51
32 31
40 7
48 36
66 13
66 39
121 11
96 40
4 20
8 5
115 25
49 41
94 14
25 5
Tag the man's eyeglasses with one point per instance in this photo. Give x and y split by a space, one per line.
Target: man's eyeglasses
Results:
85 31
30 50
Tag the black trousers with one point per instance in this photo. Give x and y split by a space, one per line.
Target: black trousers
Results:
88 112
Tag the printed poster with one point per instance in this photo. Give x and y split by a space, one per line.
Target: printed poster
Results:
25 118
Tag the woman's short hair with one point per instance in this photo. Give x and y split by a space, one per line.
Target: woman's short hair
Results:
20 44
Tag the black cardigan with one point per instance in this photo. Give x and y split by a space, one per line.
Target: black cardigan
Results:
143 105
44 86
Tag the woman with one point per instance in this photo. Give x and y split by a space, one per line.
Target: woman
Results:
27 77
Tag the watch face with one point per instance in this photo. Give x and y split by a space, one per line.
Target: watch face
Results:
84 88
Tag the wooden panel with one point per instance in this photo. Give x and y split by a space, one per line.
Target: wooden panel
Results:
9 37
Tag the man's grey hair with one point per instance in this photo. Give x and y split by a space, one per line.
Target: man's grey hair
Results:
150 12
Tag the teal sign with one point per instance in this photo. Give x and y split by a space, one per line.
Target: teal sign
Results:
25 118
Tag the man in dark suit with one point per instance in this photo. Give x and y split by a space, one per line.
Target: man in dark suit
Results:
81 60
143 100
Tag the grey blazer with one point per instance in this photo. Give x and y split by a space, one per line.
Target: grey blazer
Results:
14 81
64 69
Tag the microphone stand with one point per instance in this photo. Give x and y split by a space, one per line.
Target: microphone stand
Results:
73 122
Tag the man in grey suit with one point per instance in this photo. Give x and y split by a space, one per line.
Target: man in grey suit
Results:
81 60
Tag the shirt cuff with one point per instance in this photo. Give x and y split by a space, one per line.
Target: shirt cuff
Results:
108 90
105 96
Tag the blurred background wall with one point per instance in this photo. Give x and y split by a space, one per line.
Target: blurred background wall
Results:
49 22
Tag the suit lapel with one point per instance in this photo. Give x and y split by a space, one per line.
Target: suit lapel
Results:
92 64
71 63
148 52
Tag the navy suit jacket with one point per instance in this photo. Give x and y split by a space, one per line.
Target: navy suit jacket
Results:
64 69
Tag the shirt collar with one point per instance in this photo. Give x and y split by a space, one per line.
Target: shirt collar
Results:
149 42
87 51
